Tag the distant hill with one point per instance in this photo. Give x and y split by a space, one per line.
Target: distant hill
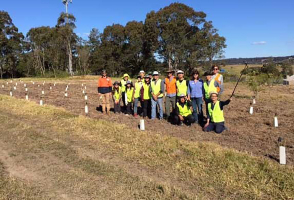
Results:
258 60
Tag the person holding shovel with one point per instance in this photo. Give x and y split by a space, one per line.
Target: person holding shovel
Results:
104 91
215 118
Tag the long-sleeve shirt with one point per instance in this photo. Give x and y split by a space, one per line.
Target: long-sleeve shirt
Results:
221 105
161 87
195 90
104 85
189 104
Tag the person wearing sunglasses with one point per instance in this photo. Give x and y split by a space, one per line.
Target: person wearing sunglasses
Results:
218 78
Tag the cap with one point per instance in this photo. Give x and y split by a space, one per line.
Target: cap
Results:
170 71
115 83
182 95
142 71
103 71
138 76
155 73
128 82
147 76
180 72
126 75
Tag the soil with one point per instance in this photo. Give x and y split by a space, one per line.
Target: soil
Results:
254 134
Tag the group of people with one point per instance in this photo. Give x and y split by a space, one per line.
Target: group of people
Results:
184 99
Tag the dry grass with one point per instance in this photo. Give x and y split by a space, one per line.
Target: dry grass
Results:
89 158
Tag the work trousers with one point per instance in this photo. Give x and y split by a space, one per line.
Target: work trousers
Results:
187 120
123 98
129 108
217 127
105 102
117 107
169 101
147 108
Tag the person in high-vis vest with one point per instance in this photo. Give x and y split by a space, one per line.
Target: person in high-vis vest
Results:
146 97
130 96
123 83
218 78
116 95
137 94
171 92
183 111
157 90
182 84
210 85
215 118
104 91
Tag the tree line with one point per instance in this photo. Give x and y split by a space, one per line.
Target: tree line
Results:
175 37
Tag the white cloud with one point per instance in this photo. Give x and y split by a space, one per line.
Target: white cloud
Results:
86 34
259 43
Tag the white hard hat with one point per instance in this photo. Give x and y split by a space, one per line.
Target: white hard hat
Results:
180 72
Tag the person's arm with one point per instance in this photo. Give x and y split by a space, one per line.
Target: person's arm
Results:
177 112
142 93
189 91
224 103
216 84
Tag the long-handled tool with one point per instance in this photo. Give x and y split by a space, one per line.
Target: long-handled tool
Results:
246 66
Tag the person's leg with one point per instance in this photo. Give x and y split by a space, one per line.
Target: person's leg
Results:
194 105
149 108
160 105
115 107
103 103
173 102
136 106
199 103
145 108
189 120
128 108
153 109
123 97
167 106
107 97
118 107
219 127
209 128
175 119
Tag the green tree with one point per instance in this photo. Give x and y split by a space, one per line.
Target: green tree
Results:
10 45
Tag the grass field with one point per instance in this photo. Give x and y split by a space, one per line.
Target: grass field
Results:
55 152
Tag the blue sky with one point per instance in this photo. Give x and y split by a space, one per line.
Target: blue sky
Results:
253 28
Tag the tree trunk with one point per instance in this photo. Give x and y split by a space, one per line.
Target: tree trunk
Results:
69 58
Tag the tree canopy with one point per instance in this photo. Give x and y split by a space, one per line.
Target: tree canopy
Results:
175 37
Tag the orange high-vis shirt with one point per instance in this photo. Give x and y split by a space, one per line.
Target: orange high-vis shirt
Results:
104 82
